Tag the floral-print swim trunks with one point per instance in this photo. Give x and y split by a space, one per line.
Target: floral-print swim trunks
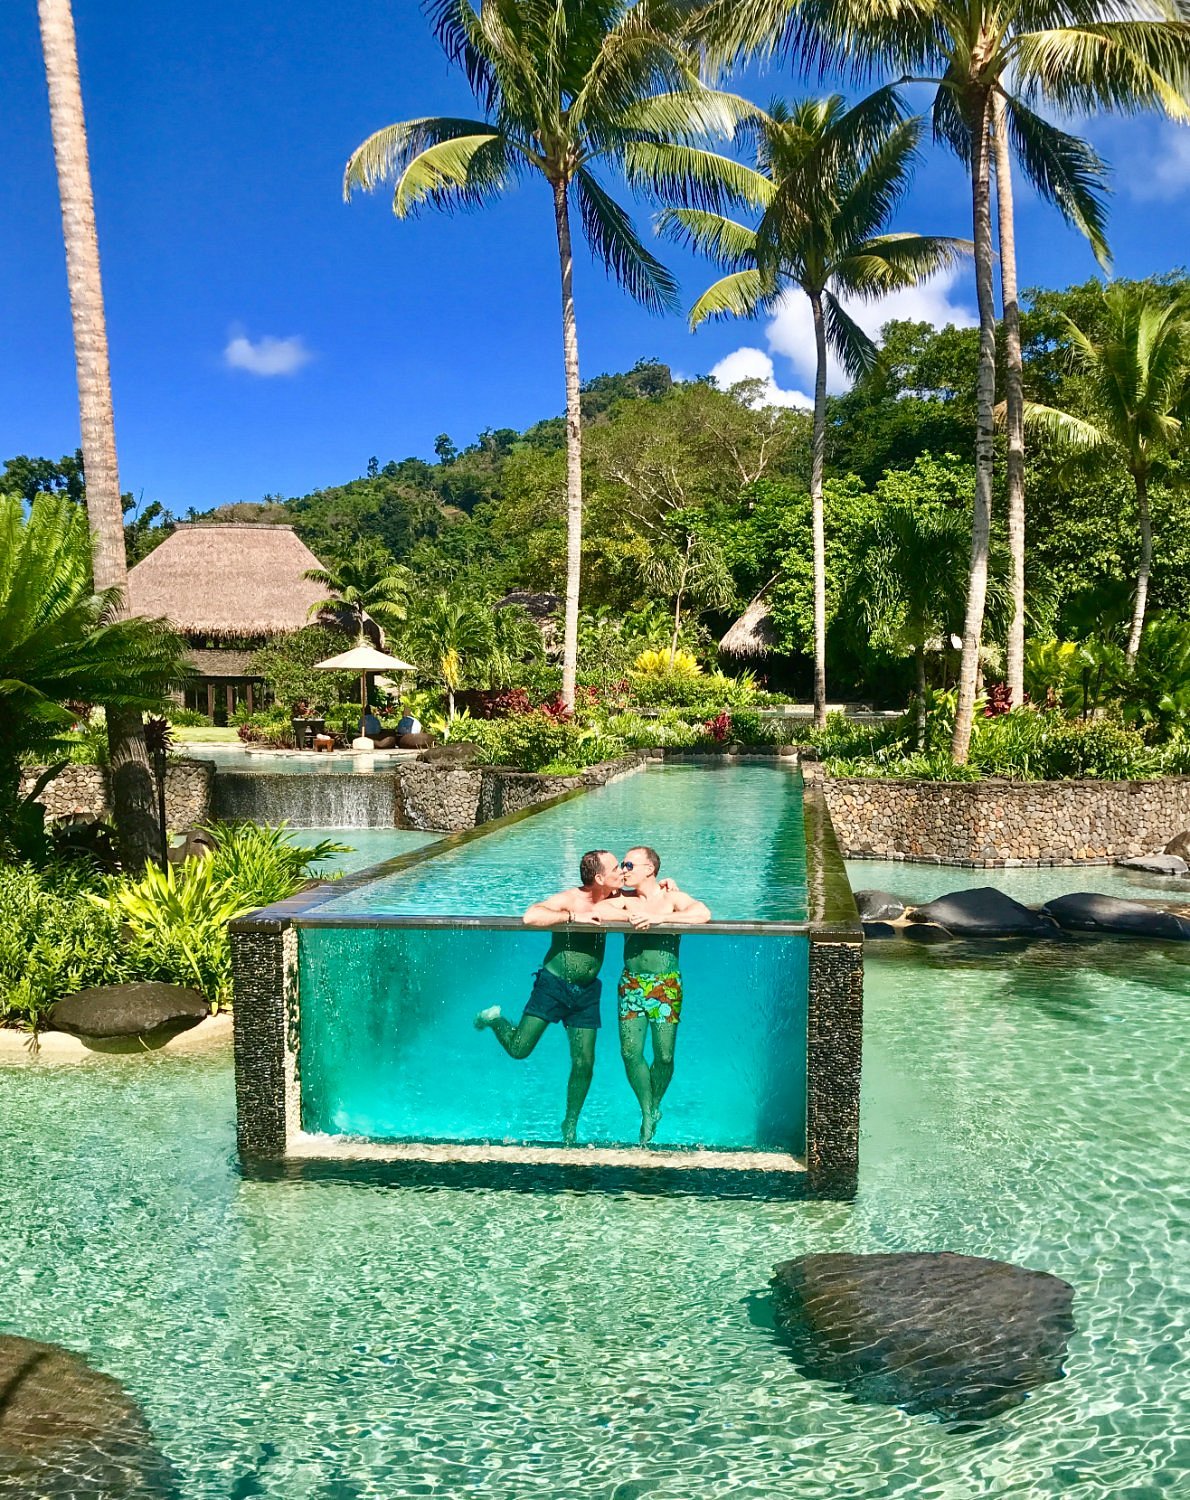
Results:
653 997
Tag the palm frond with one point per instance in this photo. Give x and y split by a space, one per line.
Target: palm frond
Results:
730 244
386 153
457 28
1065 171
464 172
1065 429
1124 66
615 242
949 126
687 116
740 295
888 262
856 352
694 177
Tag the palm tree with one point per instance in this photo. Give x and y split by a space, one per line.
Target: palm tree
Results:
516 640
133 802
988 58
62 642
911 582
827 180
1137 369
564 86
448 634
369 585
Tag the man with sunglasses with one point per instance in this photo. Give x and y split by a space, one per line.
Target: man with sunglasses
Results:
650 990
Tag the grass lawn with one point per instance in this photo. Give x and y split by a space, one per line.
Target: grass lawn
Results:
203 734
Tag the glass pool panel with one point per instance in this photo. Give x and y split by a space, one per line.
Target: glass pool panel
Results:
731 835
389 1050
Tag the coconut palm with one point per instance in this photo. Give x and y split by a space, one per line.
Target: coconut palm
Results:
565 87
132 782
448 634
989 58
61 641
1136 364
368 585
827 180
911 583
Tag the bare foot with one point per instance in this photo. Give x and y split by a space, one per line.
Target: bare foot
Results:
648 1124
486 1017
569 1130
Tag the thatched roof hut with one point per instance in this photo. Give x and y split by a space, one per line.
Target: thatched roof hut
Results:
220 582
753 634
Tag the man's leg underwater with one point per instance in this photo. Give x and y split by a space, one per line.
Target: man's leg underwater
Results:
517 1041
665 1037
582 1065
633 1030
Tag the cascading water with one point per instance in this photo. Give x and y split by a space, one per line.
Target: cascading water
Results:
365 800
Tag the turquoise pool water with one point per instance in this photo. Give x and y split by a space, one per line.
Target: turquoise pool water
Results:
334 1340
388 1047
731 835
918 883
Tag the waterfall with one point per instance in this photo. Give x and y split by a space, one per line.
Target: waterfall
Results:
310 801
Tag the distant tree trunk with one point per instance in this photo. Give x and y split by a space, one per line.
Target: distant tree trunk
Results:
132 782
1144 569
574 449
919 661
817 463
1014 400
981 518
673 650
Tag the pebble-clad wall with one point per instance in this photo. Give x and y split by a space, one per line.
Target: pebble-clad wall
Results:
86 789
996 823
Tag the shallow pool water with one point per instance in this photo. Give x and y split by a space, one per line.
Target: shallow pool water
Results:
917 883
348 1340
365 846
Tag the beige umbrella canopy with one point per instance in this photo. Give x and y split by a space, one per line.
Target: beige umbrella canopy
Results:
364 659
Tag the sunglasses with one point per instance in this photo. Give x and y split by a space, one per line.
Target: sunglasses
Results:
626 864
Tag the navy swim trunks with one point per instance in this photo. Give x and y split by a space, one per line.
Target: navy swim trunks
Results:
555 999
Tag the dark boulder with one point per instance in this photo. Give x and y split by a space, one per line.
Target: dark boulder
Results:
879 906
450 755
982 912
879 930
1086 912
1180 845
956 1336
925 933
67 1430
129 1010
194 843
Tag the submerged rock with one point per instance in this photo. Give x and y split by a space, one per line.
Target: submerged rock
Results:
956 1336
925 932
1180 845
1086 912
129 1010
69 1432
982 912
879 906
1157 864
879 930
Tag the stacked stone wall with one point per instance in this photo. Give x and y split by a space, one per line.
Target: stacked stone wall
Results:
996 823
87 790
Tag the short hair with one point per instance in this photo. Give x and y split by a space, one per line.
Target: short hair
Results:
654 857
589 865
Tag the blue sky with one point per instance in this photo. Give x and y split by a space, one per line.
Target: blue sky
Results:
268 338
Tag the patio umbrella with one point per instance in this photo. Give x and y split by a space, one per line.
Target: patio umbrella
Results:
364 659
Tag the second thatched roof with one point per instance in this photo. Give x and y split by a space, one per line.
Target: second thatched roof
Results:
227 581
753 634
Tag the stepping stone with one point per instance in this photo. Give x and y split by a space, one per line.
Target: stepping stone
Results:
982 912
879 906
113 1010
955 1336
1157 864
69 1432
1087 912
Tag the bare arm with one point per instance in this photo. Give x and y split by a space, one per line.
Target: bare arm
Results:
552 912
688 912
612 909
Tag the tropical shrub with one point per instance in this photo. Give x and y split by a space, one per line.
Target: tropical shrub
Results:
287 665
705 693
666 664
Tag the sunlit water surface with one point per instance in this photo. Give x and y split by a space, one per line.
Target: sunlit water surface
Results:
339 1341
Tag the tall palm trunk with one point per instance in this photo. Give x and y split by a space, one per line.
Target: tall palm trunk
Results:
132 783
574 449
817 463
981 518
1014 401
919 662
1146 563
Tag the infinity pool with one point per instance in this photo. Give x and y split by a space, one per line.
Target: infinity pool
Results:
337 1340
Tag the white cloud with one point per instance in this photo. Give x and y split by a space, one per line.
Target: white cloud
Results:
267 355
790 332
1166 171
755 364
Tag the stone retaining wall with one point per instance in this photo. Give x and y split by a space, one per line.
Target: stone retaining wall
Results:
86 789
447 799
994 823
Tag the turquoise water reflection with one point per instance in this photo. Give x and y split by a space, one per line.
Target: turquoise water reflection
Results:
389 1049
332 1340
